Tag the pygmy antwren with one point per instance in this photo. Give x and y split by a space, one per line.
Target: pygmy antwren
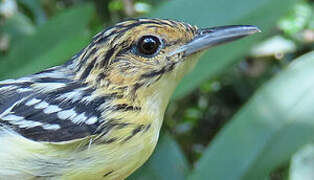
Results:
98 116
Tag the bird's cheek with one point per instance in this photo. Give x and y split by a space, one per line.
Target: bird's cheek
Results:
119 78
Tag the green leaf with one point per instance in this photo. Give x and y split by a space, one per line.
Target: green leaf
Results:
17 27
36 9
167 162
68 24
263 13
302 164
297 19
264 134
60 53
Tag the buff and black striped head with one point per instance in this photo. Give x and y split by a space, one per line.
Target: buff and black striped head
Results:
133 53
124 77
138 52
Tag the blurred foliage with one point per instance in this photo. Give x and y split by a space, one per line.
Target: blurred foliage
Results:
267 130
59 38
262 85
302 164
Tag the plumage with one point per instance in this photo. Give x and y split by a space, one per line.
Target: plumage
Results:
98 116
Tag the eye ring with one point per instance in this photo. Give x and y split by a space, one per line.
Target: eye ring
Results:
148 45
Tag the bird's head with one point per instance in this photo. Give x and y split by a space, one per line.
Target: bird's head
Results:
148 55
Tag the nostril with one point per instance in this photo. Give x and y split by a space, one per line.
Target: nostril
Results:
204 31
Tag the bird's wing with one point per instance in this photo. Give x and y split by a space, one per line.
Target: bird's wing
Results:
51 111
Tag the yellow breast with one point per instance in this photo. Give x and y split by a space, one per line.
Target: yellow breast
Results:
114 161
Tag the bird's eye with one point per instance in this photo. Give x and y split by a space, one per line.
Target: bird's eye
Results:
148 45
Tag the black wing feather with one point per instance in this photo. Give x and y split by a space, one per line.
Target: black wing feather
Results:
68 130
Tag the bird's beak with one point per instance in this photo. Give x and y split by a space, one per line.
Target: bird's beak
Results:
209 37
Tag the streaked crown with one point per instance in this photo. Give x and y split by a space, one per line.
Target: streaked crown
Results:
132 53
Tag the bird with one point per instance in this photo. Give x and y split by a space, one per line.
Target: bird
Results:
99 115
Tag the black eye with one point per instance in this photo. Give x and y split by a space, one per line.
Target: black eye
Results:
148 45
